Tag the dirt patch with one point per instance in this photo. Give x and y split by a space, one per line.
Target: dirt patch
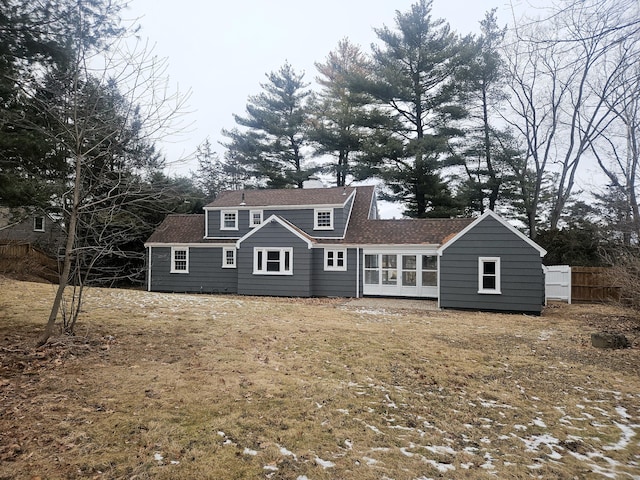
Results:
194 386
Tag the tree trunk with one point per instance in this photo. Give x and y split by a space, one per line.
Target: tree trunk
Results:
68 252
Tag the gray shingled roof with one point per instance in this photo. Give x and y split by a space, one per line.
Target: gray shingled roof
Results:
189 228
283 197
415 231
181 228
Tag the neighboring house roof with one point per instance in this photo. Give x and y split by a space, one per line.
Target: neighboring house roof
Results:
283 197
181 228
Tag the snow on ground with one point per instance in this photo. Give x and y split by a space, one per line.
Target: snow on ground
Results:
493 453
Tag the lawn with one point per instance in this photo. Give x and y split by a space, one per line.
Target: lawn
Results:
168 386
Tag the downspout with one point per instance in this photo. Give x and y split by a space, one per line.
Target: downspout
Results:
149 271
357 272
438 279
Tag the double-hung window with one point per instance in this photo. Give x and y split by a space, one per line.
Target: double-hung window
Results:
179 260
489 275
38 224
229 257
323 219
273 261
255 218
229 220
335 260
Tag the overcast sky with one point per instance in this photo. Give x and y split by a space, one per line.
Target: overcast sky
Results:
221 50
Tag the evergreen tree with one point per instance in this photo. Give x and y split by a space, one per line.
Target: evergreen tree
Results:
274 131
482 151
341 114
413 79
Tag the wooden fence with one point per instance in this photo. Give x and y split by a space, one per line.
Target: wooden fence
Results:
25 258
592 284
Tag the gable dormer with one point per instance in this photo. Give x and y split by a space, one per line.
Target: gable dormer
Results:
319 212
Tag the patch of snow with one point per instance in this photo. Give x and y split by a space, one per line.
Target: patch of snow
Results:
545 335
222 434
539 423
406 453
248 451
374 428
488 464
622 412
302 477
343 410
174 462
520 427
349 444
442 467
324 463
441 449
627 434
287 453
369 461
158 457
270 468
466 466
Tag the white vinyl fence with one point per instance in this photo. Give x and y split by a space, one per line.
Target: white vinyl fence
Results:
558 282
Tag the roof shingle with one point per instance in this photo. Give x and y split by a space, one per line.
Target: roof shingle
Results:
283 197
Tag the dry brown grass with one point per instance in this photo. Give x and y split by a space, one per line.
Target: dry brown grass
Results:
176 386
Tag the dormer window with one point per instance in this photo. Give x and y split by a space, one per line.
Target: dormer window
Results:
38 224
323 219
229 220
255 218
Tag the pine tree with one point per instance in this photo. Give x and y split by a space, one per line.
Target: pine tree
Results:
413 80
273 133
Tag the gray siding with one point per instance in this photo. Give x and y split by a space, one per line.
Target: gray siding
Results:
334 284
206 274
302 218
522 279
274 235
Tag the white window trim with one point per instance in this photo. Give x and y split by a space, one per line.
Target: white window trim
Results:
222 214
34 224
263 268
224 257
251 214
316 211
173 259
487 291
335 268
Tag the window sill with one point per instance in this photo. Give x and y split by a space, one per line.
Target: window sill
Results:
489 292
179 271
273 273
334 269
228 266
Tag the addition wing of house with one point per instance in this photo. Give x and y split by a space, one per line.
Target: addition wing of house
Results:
490 214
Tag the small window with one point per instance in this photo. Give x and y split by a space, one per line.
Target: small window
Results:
335 260
229 257
489 275
273 261
229 220
38 224
179 260
323 219
255 218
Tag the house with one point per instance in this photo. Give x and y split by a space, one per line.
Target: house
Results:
330 242
38 230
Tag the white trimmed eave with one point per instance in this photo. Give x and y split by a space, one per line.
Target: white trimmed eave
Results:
179 244
283 223
492 214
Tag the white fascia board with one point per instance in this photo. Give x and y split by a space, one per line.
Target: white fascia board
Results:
275 218
198 245
492 214
280 207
